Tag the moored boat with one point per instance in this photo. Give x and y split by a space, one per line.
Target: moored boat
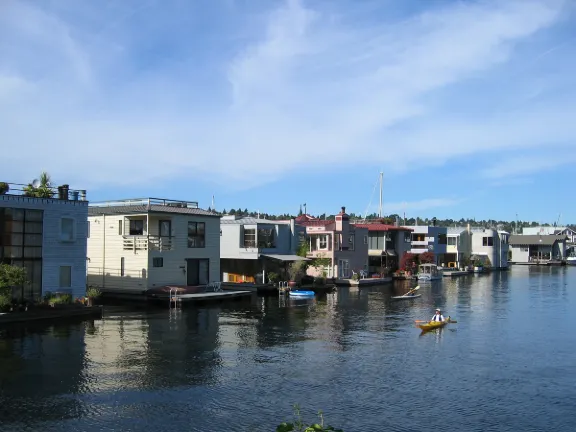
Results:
429 272
301 293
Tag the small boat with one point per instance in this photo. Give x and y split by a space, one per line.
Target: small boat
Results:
431 325
429 272
409 295
406 297
301 293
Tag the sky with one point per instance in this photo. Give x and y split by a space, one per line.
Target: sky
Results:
467 107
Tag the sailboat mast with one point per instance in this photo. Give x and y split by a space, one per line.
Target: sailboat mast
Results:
380 206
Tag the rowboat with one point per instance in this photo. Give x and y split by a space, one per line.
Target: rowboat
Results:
301 293
431 325
406 297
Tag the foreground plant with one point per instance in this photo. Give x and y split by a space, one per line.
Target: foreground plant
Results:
298 425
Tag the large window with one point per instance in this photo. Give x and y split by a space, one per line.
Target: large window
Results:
249 240
419 237
442 239
452 241
21 234
266 238
377 240
487 241
196 235
136 227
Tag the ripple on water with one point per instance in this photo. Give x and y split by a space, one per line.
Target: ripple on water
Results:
356 356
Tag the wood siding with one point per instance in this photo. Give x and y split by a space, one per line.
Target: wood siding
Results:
106 250
56 253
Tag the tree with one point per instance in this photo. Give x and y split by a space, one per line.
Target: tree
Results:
43 189
10 277
408 261
427 258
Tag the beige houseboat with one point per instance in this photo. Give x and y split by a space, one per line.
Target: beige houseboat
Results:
140 244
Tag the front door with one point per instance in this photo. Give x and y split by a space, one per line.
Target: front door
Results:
343 269
197 272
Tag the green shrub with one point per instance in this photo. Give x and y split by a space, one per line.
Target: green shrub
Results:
298 425
93 292
5 302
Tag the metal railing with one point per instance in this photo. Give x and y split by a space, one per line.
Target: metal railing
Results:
35 190
146 202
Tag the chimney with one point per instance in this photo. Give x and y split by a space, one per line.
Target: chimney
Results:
343 209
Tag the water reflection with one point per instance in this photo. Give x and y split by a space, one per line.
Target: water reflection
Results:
238 365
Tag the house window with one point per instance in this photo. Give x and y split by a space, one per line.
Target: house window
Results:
419 237
323 242
442 239
158 262
196 235
119 227
351 242
136 227
407 238
487 241
266 238
122 266
452 241
67 229
65 276
365 239
249 240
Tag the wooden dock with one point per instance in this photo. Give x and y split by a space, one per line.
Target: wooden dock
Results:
455 273
209 296
362 282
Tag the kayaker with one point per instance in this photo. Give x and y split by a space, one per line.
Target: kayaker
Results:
438 316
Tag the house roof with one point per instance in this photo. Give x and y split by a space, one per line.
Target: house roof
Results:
252 221
135 209
316 223
546 240
382 227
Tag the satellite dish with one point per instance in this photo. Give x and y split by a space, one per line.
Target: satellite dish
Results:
35 183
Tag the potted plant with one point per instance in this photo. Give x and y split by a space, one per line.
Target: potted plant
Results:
4 188
91 294
273 277
295 273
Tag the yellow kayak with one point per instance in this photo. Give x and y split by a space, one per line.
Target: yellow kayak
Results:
433 325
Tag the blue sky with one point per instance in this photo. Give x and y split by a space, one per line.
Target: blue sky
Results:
467 107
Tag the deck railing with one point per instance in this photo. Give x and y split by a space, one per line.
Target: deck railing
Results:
148 242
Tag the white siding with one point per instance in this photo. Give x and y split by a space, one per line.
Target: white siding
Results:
106 250
56 253
174 260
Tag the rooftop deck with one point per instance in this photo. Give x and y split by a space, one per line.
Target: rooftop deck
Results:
146 202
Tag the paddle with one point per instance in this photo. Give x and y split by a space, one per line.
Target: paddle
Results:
412 291
450 320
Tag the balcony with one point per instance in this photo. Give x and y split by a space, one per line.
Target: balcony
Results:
148 242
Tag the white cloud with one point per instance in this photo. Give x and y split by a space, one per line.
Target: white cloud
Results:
523 165
312 88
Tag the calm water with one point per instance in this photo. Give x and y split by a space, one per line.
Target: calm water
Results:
507 365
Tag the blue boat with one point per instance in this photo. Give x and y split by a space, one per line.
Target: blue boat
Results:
301 293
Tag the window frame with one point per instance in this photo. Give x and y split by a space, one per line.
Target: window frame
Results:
69 266
196 236
72 238
157 262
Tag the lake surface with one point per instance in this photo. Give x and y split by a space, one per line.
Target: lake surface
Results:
507 365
